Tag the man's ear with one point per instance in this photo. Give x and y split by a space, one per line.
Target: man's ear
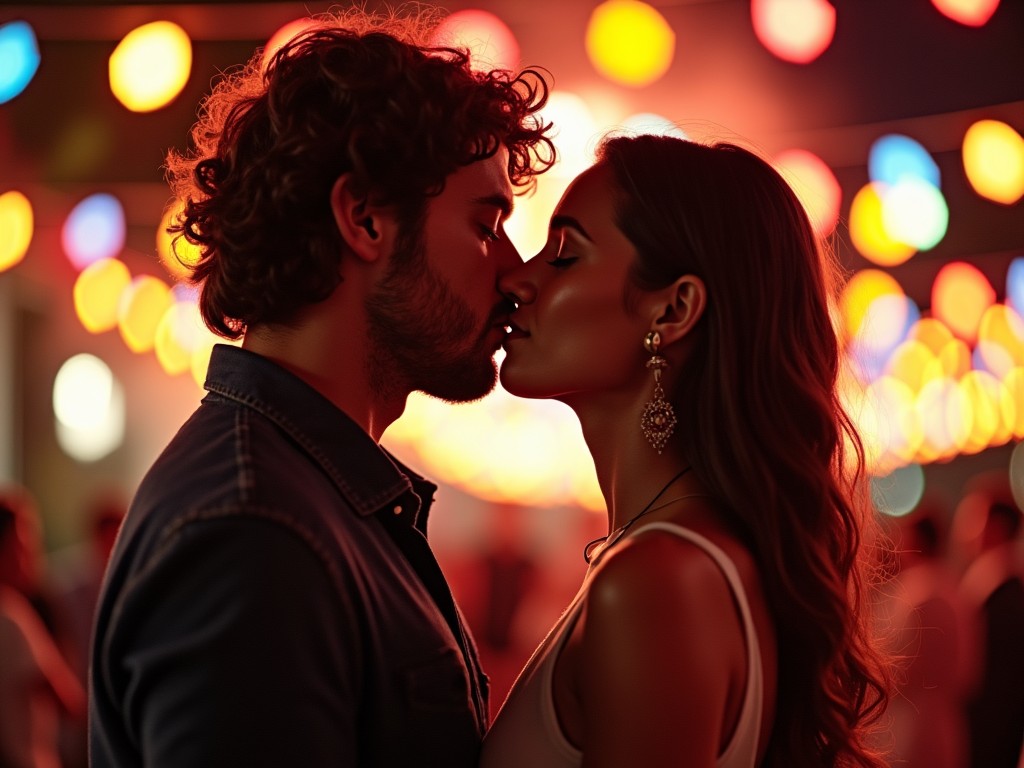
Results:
677 308
366 228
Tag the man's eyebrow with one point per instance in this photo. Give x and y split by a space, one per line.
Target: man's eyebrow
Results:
502 202
563 222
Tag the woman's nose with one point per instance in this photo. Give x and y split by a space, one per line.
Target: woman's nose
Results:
518 284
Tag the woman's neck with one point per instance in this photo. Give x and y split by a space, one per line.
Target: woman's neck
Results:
629 469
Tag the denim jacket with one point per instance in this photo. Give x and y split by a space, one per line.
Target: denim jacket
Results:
272 599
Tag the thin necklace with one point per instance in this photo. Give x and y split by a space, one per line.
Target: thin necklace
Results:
588 551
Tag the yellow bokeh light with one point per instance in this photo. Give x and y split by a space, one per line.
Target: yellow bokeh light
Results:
891 423
142 306
1001 339
815 185
177 254
931 332
97 294
1013 402
16 228
629 42
909 363
177 335
868 231
983 392
859 294
993 157
945 415
150 66
955 359
960 296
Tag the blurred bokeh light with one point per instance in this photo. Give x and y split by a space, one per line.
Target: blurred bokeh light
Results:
630 42
94 230
894 157
19 58
16 228
176 253
868 231
142 306
491 44
150 66
797 31
284 35
993 157
971 13
89 406
815 185
960 296
899 492
97 294
915 212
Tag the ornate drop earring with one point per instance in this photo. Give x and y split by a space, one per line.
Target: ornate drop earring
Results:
658 420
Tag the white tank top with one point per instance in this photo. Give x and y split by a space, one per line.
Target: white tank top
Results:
526 729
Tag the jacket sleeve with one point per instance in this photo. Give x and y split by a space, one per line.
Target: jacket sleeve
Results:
234 646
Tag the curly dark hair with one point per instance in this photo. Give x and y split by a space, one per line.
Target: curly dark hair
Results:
355 93
766 428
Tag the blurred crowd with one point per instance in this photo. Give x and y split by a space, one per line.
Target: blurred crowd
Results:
951 612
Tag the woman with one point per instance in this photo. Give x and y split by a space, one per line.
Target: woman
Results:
681 308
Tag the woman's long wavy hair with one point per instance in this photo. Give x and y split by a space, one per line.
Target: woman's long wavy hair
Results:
765 428
358 93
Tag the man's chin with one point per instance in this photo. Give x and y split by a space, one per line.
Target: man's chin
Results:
467 383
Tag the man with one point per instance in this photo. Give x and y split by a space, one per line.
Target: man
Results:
272 599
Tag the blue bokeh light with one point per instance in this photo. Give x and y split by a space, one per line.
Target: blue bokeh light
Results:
19 58
894 158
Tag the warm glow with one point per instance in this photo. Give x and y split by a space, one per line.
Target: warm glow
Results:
16 228
95 229
993 156
629 42
868 231
176 253
150 66
960 296
954 359
575 133
527 227
142 307
815 185
490 42
794 30
97 294
543 460
1001 339
284 35
889 424
88 403
971 13
19 58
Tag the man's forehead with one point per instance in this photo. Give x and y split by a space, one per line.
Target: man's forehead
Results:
485 181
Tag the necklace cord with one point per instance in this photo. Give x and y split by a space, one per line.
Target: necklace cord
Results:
588 550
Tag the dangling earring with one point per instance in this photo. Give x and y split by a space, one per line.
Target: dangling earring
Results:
658 420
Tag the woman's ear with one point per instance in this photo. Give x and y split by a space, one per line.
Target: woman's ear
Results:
366 228
678 308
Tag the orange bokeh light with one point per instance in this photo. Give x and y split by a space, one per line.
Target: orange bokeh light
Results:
960 296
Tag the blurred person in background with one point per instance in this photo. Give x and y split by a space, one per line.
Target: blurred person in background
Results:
987 526
932 640
37 687
272 599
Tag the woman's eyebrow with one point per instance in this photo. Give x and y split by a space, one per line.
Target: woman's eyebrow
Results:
568 222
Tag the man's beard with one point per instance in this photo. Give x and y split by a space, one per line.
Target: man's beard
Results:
422 335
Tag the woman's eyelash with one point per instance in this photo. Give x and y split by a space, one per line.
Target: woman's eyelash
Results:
561 262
